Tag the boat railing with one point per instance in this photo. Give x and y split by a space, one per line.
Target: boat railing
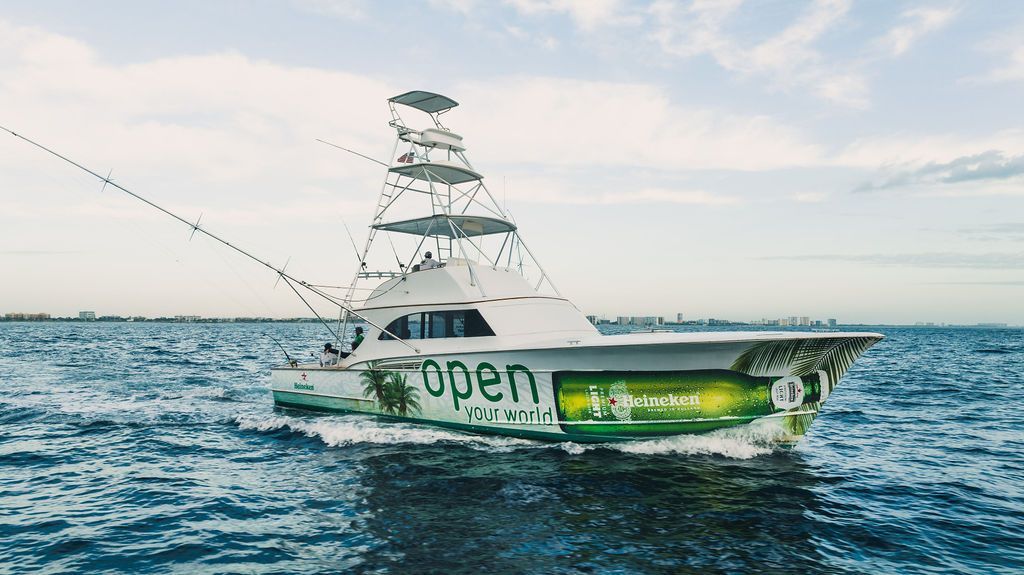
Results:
379 275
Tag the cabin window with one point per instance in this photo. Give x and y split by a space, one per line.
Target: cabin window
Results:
439 324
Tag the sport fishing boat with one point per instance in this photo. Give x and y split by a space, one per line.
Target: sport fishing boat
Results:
485 342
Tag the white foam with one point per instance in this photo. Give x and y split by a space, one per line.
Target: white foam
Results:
353 430
744 442
730 447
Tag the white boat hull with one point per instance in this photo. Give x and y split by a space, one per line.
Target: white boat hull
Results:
620 389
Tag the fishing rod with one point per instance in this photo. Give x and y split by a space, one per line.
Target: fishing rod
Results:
281 274
291 362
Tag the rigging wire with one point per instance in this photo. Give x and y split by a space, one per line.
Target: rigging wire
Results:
289 284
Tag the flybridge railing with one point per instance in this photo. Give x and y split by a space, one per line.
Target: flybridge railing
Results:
397 122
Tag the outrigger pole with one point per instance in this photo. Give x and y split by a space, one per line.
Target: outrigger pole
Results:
353 152
281 274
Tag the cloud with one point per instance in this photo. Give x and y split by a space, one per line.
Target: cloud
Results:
38 253
342 9
1009 231
990 165
669 196
992 283
563 122
1008 46
587 14
809 197
907 151
461 6
788 60
992 260
1011 71
917 23
543 40
549 191
221 119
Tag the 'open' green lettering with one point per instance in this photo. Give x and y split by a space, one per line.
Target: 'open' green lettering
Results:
426 378
488 380
511 370
456 393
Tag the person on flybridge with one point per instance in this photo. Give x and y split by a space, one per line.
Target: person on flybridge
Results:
429 262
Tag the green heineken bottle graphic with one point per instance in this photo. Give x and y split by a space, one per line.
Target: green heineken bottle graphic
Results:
646 403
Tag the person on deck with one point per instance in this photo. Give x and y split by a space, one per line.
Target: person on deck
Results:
330 356
358 339
429 262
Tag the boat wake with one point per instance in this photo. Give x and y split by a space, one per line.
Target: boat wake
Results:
345 430
349 430
734 443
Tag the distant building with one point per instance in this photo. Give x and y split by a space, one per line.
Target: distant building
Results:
187 318
832 322
87 315
646 320
592 319
679 318
804 320
26 316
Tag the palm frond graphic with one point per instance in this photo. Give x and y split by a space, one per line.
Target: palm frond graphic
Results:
832 355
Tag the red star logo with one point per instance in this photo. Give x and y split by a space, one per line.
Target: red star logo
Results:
611 400
303 376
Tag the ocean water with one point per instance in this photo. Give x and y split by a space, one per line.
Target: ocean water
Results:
155 448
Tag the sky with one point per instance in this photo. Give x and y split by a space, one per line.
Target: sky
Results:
834 159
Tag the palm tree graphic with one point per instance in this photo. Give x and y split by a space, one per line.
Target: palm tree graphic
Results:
400 398
390 390
374 380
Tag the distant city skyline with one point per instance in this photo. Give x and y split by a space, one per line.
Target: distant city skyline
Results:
862 161
633 321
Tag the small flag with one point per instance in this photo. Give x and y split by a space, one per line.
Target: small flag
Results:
407 158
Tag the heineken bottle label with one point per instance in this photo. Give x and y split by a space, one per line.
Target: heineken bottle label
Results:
654 403
788 392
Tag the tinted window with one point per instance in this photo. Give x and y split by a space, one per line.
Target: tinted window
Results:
413 328
439 324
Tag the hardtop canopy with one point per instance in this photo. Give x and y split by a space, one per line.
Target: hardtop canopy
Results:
440 172
438 225
428 102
